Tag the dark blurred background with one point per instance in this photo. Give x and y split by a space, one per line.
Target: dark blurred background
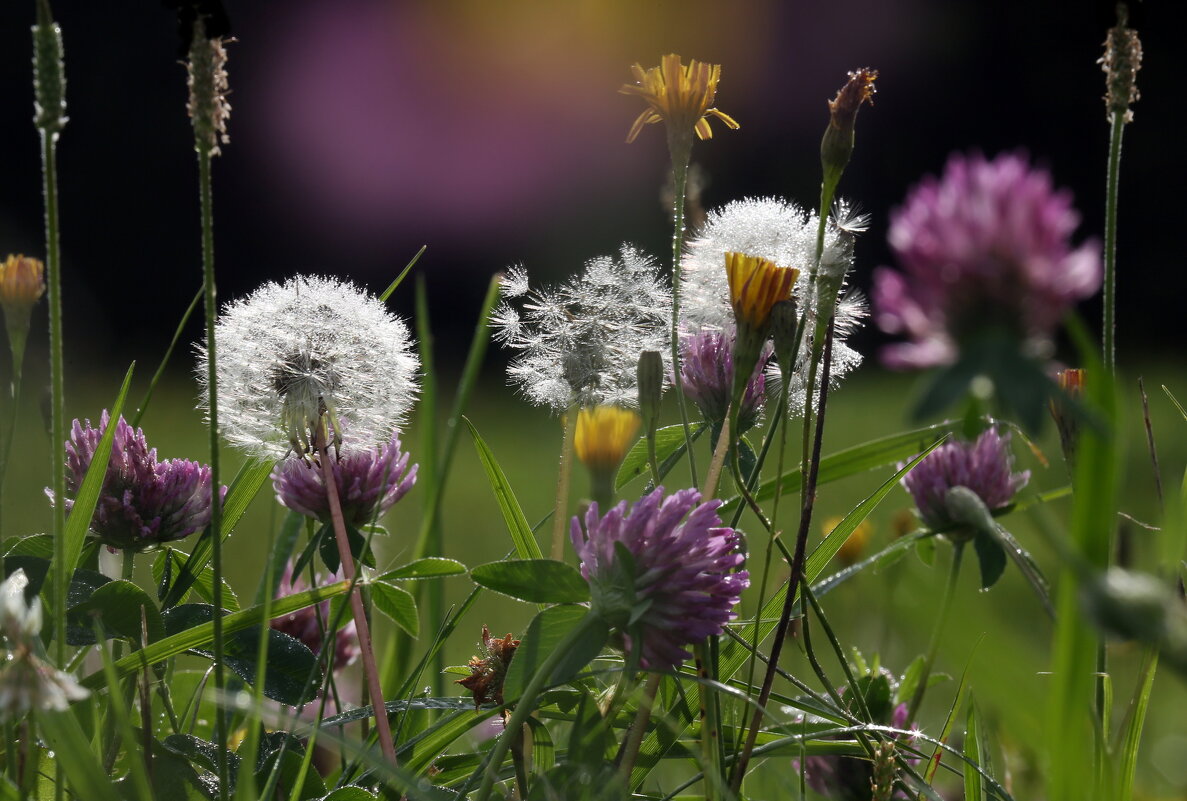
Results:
493 133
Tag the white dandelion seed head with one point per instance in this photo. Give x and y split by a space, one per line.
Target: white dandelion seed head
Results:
852 309
287 352
771 228
579 343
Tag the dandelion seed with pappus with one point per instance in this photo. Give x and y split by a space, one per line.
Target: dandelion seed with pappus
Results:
143 502
289 353
579 344
679 584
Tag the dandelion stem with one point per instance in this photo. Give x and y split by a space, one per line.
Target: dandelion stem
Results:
715 466
1112 179
936 634
680 148
559 517
370 669
808 496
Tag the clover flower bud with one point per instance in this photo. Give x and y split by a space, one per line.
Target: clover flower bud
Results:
661 572
309 625
984 249
143 502
983 467
1120 63
369 483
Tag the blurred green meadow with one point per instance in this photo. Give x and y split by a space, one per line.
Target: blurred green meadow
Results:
1001 637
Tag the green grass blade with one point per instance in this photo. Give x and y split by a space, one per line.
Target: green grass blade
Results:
85 500
962 691
732 655
517 525
243 490
858 459
974 789
203 634
156 377
1132 731
669 442
73 752
387 293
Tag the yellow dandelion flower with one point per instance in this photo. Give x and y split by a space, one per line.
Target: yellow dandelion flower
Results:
679 95
855 545
22 282
755 286
603 435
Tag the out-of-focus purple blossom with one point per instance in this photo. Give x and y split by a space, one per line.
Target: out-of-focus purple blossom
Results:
369 483
143 502
847 778
305 624
983 466
683 587
707 376
987 246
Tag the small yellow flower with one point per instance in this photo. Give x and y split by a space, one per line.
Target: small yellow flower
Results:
853 547
755 286
22 282
681 96
604 433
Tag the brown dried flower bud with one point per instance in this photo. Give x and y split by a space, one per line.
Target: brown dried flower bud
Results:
1071 388
488 671
837 145
1120 63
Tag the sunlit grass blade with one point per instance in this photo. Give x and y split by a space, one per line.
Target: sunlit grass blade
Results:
962 690
85 500
156 377
1175 401
72 751
517 525
1135 721
974 789
203 634
387 293
858 459
669 447
243 490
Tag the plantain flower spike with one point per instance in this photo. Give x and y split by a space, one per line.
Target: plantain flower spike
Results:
208 106
1120 63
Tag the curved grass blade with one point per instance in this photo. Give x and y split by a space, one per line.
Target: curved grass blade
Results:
517 525
203 634
387 293
858 459
74 754
85 500
243 490
156 377
669 445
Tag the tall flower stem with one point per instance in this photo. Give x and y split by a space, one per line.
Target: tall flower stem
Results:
370 669
526 704
1112 180
564 475
808 497
206 197
938 632
49 89
718 462
680 148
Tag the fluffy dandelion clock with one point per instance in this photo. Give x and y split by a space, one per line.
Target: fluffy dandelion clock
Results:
580 343
289 353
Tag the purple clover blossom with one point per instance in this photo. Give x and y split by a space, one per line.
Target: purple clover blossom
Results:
983 466
369 483
985 246
308 624
707 376
683 572
143 502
